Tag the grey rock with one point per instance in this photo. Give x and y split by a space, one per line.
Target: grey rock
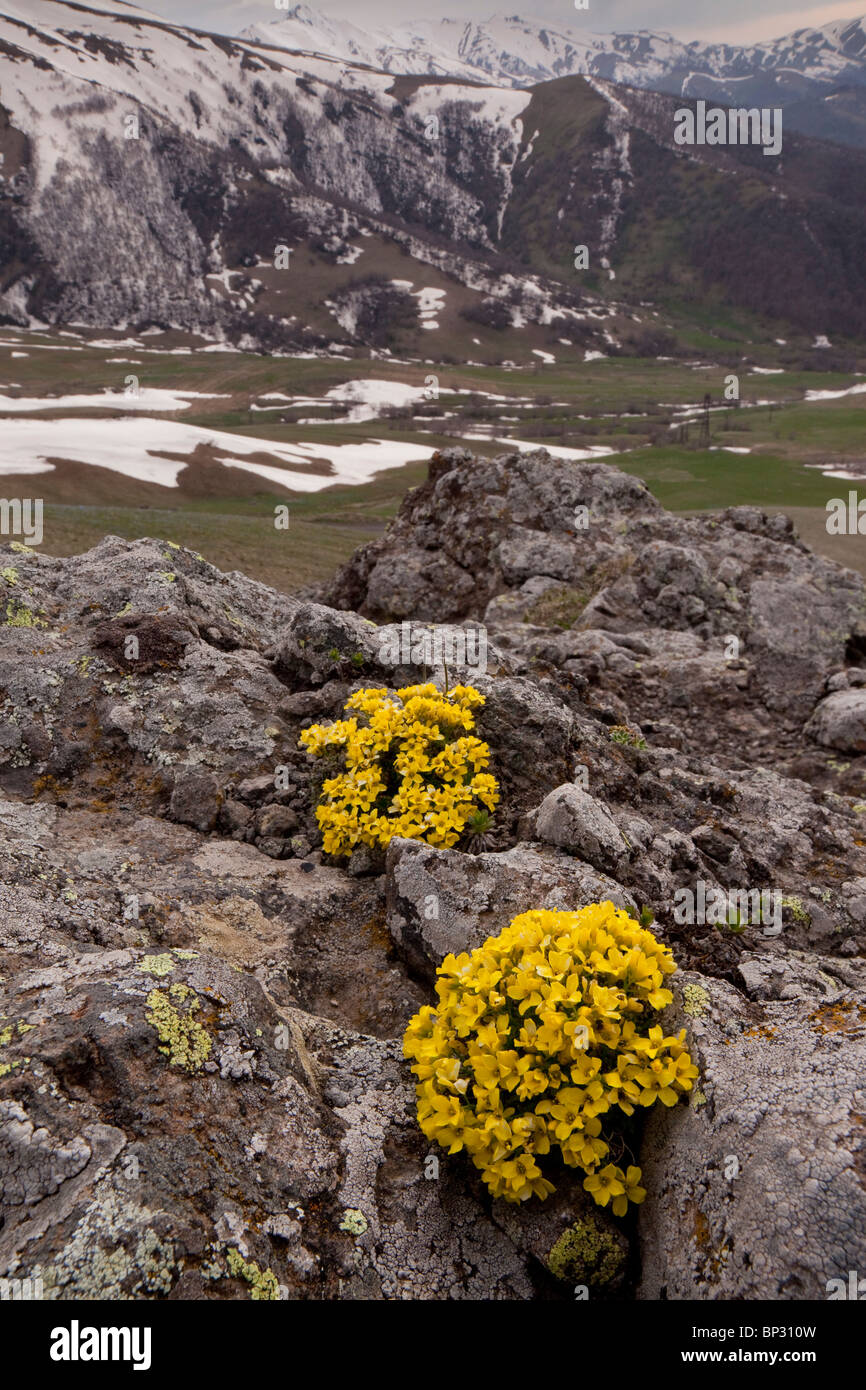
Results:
752 1189
276 821
839 721
320 643
575 821
441 901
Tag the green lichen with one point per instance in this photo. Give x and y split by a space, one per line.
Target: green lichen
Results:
167 576
185 1042
587 1253
695 1000
7 1067
798 911
127 608
19 616
157 965
354 1221
263 1282
108 1258
186 955
9 575
698 1099
21 549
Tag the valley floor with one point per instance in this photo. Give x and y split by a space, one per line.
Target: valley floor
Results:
164 435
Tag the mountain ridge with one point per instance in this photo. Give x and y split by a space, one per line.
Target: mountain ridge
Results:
799 71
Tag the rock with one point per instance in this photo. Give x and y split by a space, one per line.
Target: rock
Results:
839 721
202 1088
400 586
255 789
524 554
753 1189
320 643
363 861
575 821
196 800
234 817
441 901
276 821
498 538
532 733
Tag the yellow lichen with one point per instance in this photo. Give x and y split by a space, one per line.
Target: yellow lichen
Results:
845 1016
157 965
586 1253
695 1000
184 1041
354 1221
263 1282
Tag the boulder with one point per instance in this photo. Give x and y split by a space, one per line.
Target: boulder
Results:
839 721
755 1189
577 822
441 901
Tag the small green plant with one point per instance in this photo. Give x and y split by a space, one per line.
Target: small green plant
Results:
478 830
626 737
646 916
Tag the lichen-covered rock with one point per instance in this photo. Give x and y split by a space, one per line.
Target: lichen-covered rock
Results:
755 1190
742 625
202 1088
442 901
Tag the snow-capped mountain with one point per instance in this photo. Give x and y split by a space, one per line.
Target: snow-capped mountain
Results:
801 70
150 173
519 52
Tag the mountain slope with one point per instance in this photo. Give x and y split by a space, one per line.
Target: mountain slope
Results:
391 195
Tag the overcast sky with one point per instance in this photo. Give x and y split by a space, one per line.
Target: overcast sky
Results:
735 21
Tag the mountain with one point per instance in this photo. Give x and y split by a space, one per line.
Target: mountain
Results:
152 172
817 75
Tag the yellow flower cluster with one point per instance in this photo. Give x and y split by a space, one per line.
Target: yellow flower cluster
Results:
537 1035
413 768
